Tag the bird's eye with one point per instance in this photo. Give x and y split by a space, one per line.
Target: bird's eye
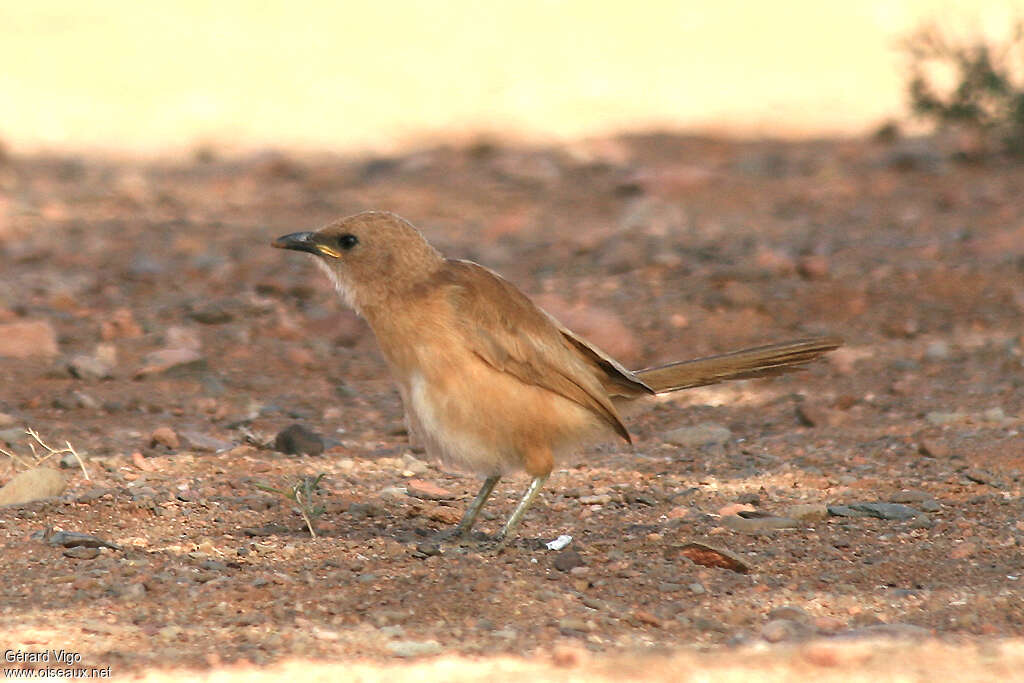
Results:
347 241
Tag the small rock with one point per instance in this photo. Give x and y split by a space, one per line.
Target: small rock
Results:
778 630
80 552
120 325
640 498
7 421
73 539
704 434
445 515
758 523
808 512
180 337
167 360
28 339
979 476
94 494
140 462
735 509
709 556
84 366
567 559
813 267
428 549
297 439
910 496
963 551
922 521
938 351
413 648
790 612
212 313
645 617
364 510
741 295
68 461
418 488
12 435
709 625
939 418
197 441
815 415
266 530
895 511
412 466
204 576
568 625
596 499
828 625
933 448
164 436
997 415
34 484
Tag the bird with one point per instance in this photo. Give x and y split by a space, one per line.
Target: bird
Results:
491 382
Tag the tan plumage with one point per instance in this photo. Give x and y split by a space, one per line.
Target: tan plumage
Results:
488 379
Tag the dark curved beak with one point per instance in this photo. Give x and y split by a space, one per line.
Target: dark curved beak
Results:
299 241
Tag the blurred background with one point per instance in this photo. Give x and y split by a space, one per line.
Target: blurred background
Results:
154 78
669 179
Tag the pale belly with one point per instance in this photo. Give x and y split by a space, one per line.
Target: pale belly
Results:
491 423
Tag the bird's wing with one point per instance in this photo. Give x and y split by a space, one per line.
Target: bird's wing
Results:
511 334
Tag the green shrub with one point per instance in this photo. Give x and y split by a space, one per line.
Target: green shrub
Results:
984 86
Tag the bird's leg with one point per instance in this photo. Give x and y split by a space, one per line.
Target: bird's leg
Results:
465 525
517 514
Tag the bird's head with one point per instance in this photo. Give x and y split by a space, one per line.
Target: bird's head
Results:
368 256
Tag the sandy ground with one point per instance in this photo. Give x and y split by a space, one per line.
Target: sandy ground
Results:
147 322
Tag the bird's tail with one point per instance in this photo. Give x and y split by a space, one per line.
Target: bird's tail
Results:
760 361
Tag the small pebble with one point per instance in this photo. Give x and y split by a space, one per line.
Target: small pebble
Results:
88 367
894 511
705 434
567 559
710 556
938 351
164 436
72 539
82 553
933 448
910 496
980 476
34 484
808 512
417 488
940 418
789 612
759 523
994 415
296 439
414 648
778 630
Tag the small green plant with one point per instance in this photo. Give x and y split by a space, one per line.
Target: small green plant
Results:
302 493
977 83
